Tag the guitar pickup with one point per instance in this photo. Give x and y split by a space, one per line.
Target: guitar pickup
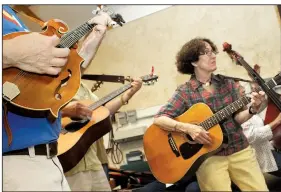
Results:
10 91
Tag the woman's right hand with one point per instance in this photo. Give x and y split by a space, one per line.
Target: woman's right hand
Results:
198 134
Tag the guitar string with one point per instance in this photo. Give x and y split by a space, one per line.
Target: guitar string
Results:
269 92
205 123
109 96
117 92
10 91
66 41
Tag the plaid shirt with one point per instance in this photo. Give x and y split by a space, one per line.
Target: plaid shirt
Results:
224 94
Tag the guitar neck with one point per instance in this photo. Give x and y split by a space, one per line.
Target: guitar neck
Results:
266 87
255 76
109 97
69 39
225 113
274 81
112 95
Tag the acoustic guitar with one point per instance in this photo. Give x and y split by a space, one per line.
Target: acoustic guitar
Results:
41 94
172 155
78 135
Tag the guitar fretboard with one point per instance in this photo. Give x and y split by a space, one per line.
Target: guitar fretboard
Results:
119 91
271 83
69 39
109 97
225 112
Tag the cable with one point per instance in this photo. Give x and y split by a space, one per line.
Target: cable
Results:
114 150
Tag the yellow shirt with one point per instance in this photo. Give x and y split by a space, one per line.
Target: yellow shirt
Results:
96 154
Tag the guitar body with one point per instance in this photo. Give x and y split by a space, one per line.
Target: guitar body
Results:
74 144
38 92
168 167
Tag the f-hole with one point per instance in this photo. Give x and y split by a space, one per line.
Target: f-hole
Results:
63 83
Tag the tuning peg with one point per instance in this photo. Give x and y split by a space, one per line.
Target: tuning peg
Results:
129 79
149 83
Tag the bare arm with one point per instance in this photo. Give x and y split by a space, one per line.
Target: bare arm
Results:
256 104
117 103
170 124
197 133
91 44
243 116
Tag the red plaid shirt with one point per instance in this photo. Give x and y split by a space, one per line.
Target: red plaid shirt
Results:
224 94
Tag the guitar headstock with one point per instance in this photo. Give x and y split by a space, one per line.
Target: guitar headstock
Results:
96 86
232 54
149 79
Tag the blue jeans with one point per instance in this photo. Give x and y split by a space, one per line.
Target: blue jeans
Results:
277 157
194 187
106 170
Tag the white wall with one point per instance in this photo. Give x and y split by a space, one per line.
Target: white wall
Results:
74 15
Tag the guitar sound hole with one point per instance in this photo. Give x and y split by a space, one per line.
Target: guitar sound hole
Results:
76 125
188 150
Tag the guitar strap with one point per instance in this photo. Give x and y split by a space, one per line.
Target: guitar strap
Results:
7 127
236 78
39 22
106 78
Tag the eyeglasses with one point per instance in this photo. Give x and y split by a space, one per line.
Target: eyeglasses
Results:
209 53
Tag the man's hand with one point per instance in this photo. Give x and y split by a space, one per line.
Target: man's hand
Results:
74 109
36 53
102 18
118 19
136 85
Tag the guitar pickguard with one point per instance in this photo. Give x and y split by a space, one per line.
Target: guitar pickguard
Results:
188 150
10 91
